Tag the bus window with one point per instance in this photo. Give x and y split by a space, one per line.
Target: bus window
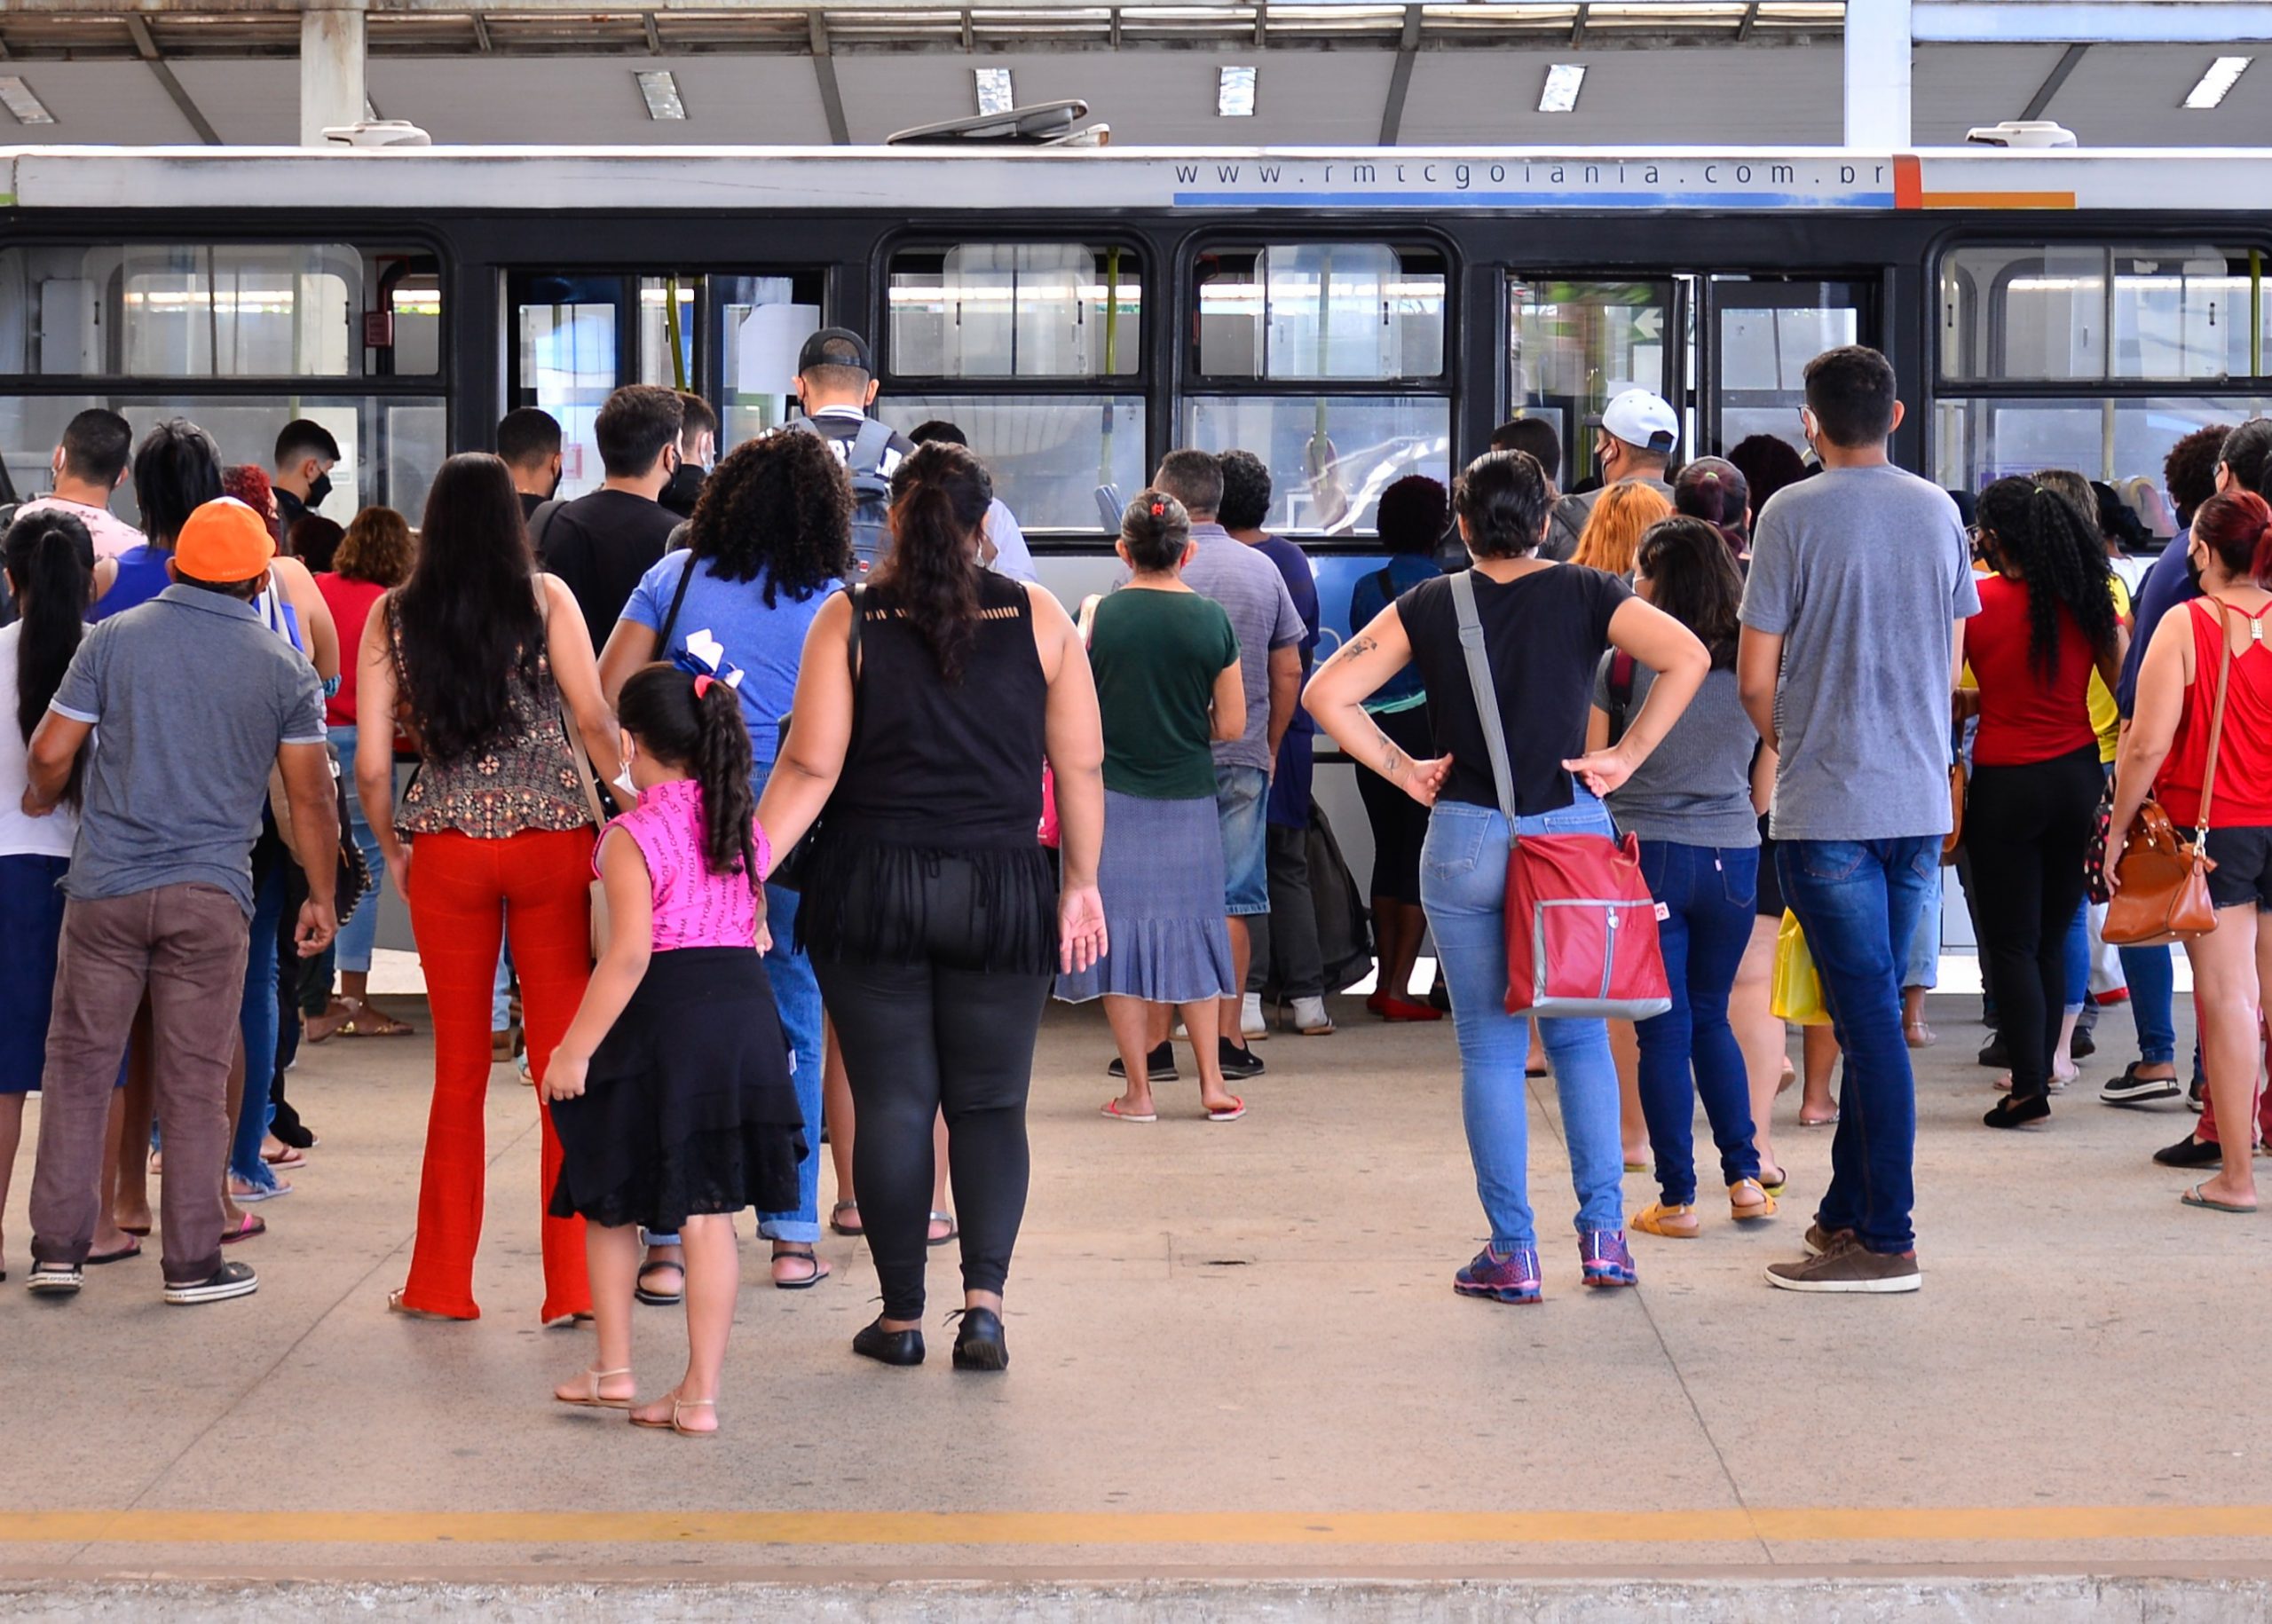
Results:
1321 310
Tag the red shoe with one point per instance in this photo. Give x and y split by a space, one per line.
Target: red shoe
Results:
1404 1009
1378 1002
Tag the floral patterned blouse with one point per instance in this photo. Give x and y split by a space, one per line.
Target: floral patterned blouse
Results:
525 780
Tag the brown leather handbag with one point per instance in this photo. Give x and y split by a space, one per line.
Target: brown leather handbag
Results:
2164 889
1954 838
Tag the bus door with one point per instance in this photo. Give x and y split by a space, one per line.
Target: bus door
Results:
1756 336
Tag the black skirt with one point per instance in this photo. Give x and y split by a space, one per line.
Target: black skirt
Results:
688 1106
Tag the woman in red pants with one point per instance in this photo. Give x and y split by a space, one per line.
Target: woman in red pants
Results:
492 663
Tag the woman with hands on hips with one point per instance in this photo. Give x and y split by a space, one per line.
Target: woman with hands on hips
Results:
1545 626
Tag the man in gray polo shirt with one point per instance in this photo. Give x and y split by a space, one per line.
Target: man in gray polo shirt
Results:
192 700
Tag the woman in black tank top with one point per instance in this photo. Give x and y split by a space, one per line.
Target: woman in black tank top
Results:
933 921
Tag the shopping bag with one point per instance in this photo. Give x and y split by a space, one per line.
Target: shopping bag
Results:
1796 990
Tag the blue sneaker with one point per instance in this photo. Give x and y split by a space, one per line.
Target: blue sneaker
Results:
1504 1277
1602 1254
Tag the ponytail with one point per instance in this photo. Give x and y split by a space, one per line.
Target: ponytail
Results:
2236 525
939 498
694 722
2034 530
51 565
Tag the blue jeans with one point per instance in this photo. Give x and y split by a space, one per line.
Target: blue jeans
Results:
2153 992
1241 800
2079 958
1707 896
257 1021
1858 901
796 995
358 930
1463 891
1922 968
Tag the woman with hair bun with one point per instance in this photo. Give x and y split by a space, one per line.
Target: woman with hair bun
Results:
671 1087
1168 685
928 907
2167 748
2047 619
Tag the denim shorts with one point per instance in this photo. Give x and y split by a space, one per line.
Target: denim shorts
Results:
1241 799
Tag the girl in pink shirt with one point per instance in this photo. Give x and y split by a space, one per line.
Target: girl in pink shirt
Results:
671 1091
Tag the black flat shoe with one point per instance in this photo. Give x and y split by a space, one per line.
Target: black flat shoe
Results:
1237 1064
1993 1054
979 1344
888 1347
2189 1152
2017 1110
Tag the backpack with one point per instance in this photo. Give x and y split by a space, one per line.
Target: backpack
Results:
863 457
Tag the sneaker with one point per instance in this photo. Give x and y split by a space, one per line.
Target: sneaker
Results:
1311 1019
1159 1065
2195 1094
1253 1024
1993 1054
55 1280
230 1279
1237 1062
1603 1258
2188 1152
2130 1089
1849 1268
2084 1045
1820 1242
1510 1276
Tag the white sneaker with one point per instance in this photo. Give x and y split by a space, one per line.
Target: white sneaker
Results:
1252 1021
1310 1019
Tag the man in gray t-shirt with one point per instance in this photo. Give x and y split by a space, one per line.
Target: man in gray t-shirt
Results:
185 706
1853 618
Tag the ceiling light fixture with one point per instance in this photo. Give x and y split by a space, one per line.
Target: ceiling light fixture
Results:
994 94
2221 77
17 96
660 90
1235 92
1563 82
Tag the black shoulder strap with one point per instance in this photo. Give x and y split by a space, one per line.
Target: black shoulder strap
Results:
663 637
541 523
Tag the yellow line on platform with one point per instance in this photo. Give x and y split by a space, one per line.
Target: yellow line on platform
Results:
1845 1524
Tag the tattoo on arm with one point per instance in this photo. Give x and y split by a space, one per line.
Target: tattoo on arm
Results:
1357 648
1393 760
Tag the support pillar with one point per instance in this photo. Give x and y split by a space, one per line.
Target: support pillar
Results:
331 66
1878 49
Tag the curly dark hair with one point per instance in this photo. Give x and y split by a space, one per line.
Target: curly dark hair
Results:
779 506
2030 528
470 624
2190 472
939 498
700 733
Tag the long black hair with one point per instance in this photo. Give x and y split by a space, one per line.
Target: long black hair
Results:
779 506
50 563
1693 578
470 624
2056 549
176 471
695 724
939 498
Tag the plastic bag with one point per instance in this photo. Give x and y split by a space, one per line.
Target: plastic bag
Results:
1796 990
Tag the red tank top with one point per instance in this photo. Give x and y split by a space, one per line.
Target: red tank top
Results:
2243 790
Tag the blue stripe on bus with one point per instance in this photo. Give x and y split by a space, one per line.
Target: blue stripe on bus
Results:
1526 200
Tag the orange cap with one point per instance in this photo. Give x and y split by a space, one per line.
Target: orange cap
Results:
221 541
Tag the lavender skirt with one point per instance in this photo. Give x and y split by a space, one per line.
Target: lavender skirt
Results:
1161 877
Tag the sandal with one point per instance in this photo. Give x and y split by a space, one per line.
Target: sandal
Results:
396 1306
819 1272
285 1157
1674 1223
1112 1109
244 1229
953 1229
836 1219
133 1249
593 1399
1773 1186
1748 1200
675 1425
364 1021
1918 1034
2194 1198
1227 1113
659 1299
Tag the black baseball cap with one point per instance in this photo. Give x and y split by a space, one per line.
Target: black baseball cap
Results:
835 347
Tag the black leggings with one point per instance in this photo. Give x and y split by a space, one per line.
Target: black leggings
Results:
1399 823
2026 828
918 1039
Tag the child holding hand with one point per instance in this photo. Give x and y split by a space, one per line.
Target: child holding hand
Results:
671 1091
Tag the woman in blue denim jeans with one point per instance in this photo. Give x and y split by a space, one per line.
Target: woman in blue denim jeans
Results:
1690 806
1545 626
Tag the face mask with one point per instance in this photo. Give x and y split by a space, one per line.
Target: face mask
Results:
683 486
2193 571
317 491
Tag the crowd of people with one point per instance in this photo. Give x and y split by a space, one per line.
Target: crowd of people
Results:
761 801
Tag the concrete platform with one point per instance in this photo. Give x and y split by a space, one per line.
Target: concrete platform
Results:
1237 1360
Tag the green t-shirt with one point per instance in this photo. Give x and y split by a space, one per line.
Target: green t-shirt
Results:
1156 655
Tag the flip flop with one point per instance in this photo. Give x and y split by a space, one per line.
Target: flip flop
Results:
1237 1110
1112 1109
836 1219
1776 1187
659 1299
246 1227
287 1157
139 1231
2194 1198
1830 1121
133 1249
820 1272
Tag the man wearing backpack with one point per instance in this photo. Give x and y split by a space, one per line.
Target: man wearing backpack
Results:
836 383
